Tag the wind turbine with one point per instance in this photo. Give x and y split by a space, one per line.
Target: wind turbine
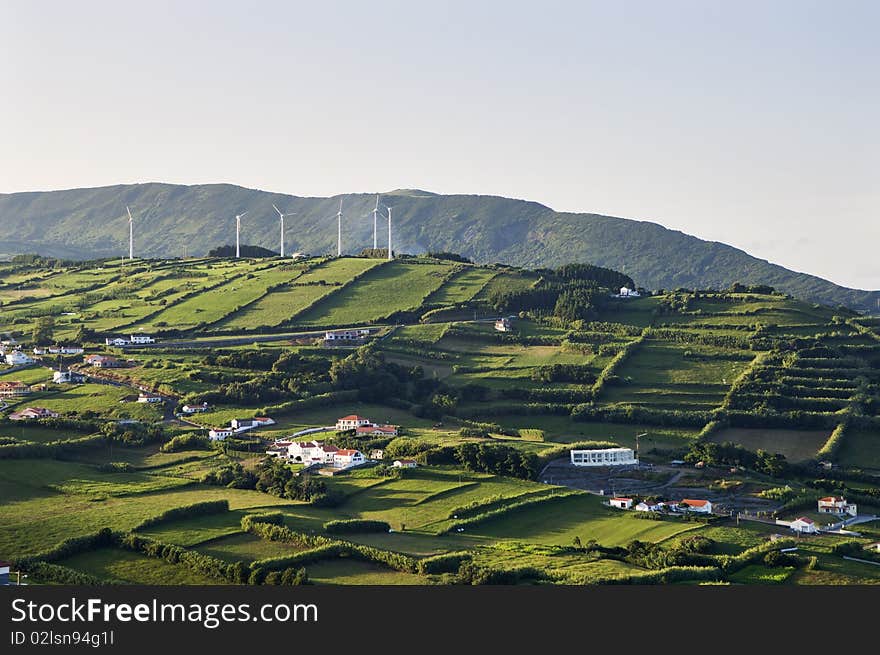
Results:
130 234
238 218
375 235
389 227
339 230
281 216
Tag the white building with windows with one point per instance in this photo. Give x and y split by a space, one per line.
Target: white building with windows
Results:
621 503
18 358
604 457
648 506
219 434
141 338
352 422
836 505
803 525
343 458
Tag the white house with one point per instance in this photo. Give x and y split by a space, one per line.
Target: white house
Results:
149 398
116 341
343 458
352 422
17 358
311 452
803 525
29 413
244 424
194 409
626 292
59 350
405 464
141 338
377 430
648 506
377 453
219 434
502 325
699 506
346 335
604 457
67 377
13 388
621 503
836 505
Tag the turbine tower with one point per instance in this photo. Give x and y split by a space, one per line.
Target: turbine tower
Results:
375 235
130 234
281 216
389 232
339 230
238 234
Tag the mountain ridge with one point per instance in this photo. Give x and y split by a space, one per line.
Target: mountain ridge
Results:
91 222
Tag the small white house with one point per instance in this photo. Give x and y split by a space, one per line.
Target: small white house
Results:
621 503
194 409
244 424
648 506
311 452
626 292
343 458
346 335
219 434
141 339
18 358
67 377
604 457
502 325
803 525
352 422
377 430
405 464
698 506
836 505
377 453
116 341
149 398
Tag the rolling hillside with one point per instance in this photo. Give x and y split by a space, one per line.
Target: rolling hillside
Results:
85 223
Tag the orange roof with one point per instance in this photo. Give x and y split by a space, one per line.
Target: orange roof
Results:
695 503
353 417
15 384
628 499
348 452
803 519
832 499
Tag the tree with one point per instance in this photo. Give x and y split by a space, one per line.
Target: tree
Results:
44 331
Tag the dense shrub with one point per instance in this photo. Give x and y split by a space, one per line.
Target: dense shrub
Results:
185 512
350 526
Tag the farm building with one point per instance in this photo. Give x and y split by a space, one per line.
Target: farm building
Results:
13 389
219 434
502 325
699 506
18 358
404 464
30 413
67 377
836 505
138 339
244 424
194 409
116 341
648 506
149 398
604 457
803 525
352 422
377 430
104 361
345 336
621 503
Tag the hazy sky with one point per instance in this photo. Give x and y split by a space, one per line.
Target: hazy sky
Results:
752 123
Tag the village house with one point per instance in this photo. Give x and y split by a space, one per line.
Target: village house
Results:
18 358
621 503
13 389
104 361
58 350
219 434
352 422
332 337
803 525
626 292
502 325
668 505
149 398
836 505
604 457
648 506
698 506
31 413
141 339
311 452
194 409
344 458
67 377
377 430
116 341
377 453
244 424
405 464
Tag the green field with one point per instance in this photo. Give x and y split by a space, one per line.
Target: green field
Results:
356 572
796 445
396 286
133 568
462 287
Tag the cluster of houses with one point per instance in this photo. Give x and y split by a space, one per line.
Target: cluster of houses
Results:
364 427
239 425
698 506
836 505
133 340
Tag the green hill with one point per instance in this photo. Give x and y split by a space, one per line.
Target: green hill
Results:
89 223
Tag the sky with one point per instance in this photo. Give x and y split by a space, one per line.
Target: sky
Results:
754 123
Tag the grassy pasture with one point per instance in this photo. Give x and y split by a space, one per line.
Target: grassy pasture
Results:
25 431
461 288
393 287
244 547
507 281
134 568
796 445
103 399
348 571
860 449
